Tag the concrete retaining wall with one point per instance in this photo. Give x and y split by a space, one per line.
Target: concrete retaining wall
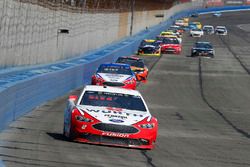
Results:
24 89
29 33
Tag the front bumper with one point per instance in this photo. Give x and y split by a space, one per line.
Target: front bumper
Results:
143 139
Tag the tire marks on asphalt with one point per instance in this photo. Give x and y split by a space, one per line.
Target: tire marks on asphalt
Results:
239 130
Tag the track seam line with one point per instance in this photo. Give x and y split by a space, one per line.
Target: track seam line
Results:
149 159
242 132
235 55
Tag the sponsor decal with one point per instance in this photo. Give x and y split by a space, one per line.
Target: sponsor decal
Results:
116 116
84 127
116 120
111 134
114 112
114 109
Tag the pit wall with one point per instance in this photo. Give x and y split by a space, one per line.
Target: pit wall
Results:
30 34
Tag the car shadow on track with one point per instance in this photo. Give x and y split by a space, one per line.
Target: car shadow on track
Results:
57 136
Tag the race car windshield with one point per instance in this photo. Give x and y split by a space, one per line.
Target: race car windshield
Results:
125 70
203 45
221 29
131 62
196 29
170 41
115 100
148 50
208 28
143 43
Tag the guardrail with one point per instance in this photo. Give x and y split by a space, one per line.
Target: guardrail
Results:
22 91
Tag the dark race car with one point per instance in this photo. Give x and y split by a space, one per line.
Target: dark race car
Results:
202 49
137 65
149 48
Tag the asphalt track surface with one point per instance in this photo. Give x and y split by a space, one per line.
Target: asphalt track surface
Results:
203 108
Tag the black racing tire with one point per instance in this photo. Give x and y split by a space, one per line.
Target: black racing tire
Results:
71 135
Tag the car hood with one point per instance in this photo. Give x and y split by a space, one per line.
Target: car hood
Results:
114 77
114 115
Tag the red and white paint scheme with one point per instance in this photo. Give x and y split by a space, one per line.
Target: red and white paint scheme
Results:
110 116
114 74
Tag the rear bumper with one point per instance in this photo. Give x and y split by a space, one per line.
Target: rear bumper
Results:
205 54
171 50
126 86
149 54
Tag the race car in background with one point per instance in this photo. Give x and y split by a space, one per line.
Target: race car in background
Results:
198 24
170 45
115 74
149 48
202 49
195 14
220 30
186 20
192 25
208 29
196 32
176 29
137 65
110 116
179 22
217 14
170 34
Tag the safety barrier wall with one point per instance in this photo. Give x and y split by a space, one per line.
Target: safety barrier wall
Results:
30 33
22 91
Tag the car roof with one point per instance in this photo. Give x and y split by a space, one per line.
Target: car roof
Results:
196 22
203 42
111 89
149 40
220 27
169 36
114 64
130 57
208 26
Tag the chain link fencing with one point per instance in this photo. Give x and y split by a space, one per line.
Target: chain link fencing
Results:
44 31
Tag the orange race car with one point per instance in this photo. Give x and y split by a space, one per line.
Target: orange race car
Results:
137 65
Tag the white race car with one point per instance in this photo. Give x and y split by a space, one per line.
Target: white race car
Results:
217 14
221 30
208 29
110 116
196 32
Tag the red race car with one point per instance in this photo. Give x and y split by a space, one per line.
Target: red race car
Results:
115 74
137 65
170 45
110 116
